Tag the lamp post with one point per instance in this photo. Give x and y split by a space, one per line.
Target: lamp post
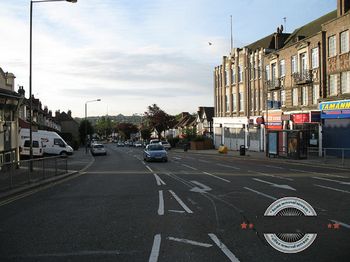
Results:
30 72
96 100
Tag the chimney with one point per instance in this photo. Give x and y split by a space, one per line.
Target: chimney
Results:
10 80
278 38
343 7
57 113
69 113
21 91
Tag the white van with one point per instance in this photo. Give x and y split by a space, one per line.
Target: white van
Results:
37 145
52 143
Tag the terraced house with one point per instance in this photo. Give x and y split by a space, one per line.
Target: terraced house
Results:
287 82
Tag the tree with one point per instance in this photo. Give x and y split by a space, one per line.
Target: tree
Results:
159 120
104 126
145 133
127 129
84 126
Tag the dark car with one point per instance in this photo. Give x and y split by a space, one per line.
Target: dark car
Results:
155 152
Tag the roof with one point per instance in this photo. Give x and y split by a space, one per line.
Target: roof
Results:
266 42
209 112
310 29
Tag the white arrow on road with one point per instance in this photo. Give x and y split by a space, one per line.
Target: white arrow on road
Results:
275 185
200 188
332 180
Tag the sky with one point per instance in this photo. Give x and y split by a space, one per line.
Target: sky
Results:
134 53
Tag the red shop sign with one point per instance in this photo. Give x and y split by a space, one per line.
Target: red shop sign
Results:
301 118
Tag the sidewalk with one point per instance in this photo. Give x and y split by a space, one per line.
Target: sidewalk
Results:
16 180
334 162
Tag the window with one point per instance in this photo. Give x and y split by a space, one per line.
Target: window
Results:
233 74
305 96
295 97
303 63
314 58
259 68
345 82
256 99
240 74
283 97
226 75
252 99
58 142
234 102
332 85
251 67
241 101
332 46
267 72
344 42
294 64
315 94
273 72
275 96
282 68
227 103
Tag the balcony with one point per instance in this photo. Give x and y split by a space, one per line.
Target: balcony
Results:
304 77
274 84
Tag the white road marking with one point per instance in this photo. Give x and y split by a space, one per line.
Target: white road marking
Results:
223 248
191 242
277 167
176 211
150 169
178 158
201 187
341 223
237 168
159 180
193 168
143 162
332 180
259 193
186 208
203 161
274 185
161 203
223 179
269 175
332 188
317 173
155 249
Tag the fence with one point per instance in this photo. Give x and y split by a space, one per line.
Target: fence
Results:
24 172
338 156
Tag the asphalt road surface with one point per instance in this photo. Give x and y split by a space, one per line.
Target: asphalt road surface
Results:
192 208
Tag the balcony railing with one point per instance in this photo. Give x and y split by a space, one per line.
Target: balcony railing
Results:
273 84
303 77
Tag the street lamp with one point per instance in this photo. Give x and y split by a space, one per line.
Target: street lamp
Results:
96 100
30 72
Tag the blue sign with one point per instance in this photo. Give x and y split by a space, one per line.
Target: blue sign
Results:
335 109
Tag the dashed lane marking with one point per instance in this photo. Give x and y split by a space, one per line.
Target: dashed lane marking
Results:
155 248
190 167
334 189
161 203
260 193
233 167
223 179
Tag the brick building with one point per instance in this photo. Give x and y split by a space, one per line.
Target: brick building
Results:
281 82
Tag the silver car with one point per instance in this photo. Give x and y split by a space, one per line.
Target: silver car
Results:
98 149
155 152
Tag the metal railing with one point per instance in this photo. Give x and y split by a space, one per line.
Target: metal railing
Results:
16 174
338 156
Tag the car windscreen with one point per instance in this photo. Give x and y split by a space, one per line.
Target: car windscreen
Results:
98 146
155 147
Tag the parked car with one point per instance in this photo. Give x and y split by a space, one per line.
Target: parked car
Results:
154 141
120 144
155 152
98 149
166 145
138 144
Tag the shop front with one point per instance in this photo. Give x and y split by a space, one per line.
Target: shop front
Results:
335 117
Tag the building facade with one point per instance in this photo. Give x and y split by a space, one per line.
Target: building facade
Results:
287 82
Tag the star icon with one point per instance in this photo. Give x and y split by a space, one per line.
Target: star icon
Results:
336 226
329 225
244 225
251 226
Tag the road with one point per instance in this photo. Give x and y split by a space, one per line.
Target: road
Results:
192 208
